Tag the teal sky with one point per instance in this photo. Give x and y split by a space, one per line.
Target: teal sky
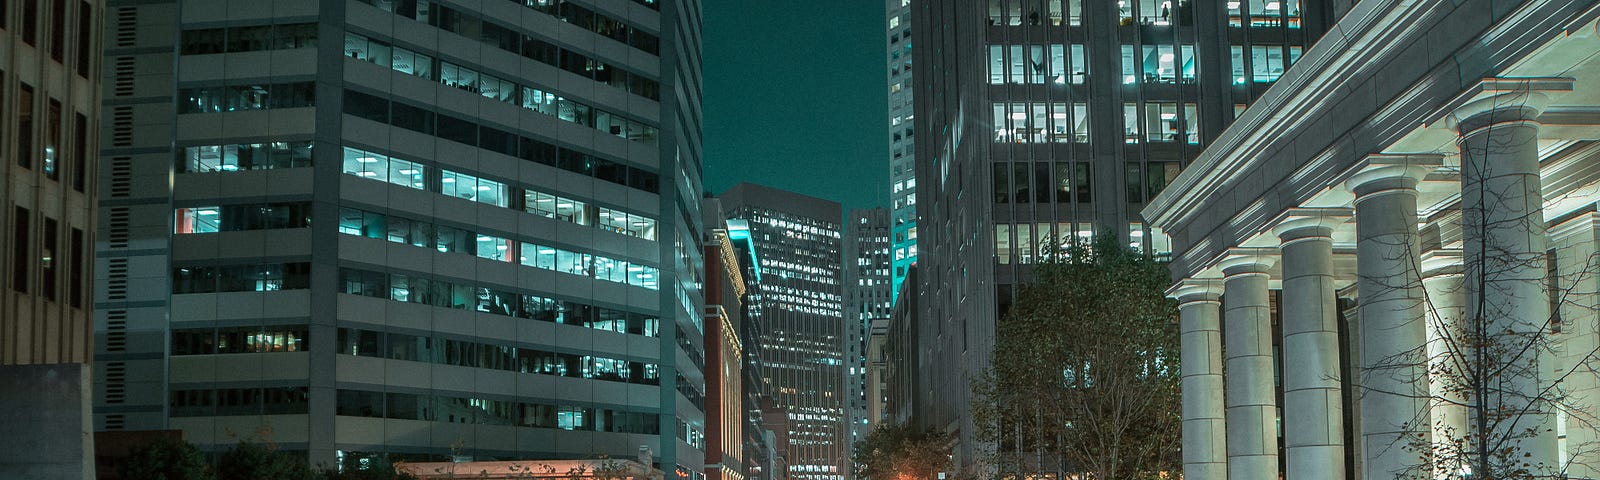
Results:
795 98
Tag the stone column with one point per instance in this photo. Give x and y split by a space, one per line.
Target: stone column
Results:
1393 387
1503 250
1252 411
1447 339
1577 245
1205 455
1313 406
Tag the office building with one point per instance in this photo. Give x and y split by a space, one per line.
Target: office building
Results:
797 300
1041 122
50 96
724 362
411 228
868 291
877 368
763 453
902 147
1393 200
902 375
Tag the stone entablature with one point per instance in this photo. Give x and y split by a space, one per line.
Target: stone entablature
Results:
1384 80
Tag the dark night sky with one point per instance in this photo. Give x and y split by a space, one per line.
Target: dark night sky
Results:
795 98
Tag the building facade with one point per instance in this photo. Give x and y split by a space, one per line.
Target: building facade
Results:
1418 213
1043 122
49 131
869 292
797 299
877 368
901 373
902 144
405 227
725 407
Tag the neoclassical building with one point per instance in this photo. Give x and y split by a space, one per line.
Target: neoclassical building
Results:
1424 164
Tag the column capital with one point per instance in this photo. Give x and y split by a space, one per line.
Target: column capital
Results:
1298 223
1442 261
1196 290
1383 172
1245 261
1504 99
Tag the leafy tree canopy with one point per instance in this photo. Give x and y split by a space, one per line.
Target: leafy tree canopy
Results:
1084 375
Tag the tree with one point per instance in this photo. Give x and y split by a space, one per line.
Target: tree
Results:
165 459
1510 354
1084 377
901 452
250 460
257 458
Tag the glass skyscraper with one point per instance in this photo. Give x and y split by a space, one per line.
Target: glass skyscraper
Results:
797 299
418 228
868 297
902 145
1043 121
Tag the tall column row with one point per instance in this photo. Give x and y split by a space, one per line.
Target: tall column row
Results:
1423 322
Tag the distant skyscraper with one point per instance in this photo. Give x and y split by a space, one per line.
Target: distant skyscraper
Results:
49 132
868 297
409 227
1038 122
902 151
798 301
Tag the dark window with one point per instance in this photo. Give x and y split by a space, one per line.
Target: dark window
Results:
644 180
573 161
47 260
202 41
85 37
30 21
644 87
457 130
1041 182
80 151
354 403
300 35
1134 180
502 37
1019 183
538 50
249 39
497 140
366 106
75 276
19 250
537 151
611 172
576 63
25 125
291 95
58 30
1083 182
1002 184
361 343
412 118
